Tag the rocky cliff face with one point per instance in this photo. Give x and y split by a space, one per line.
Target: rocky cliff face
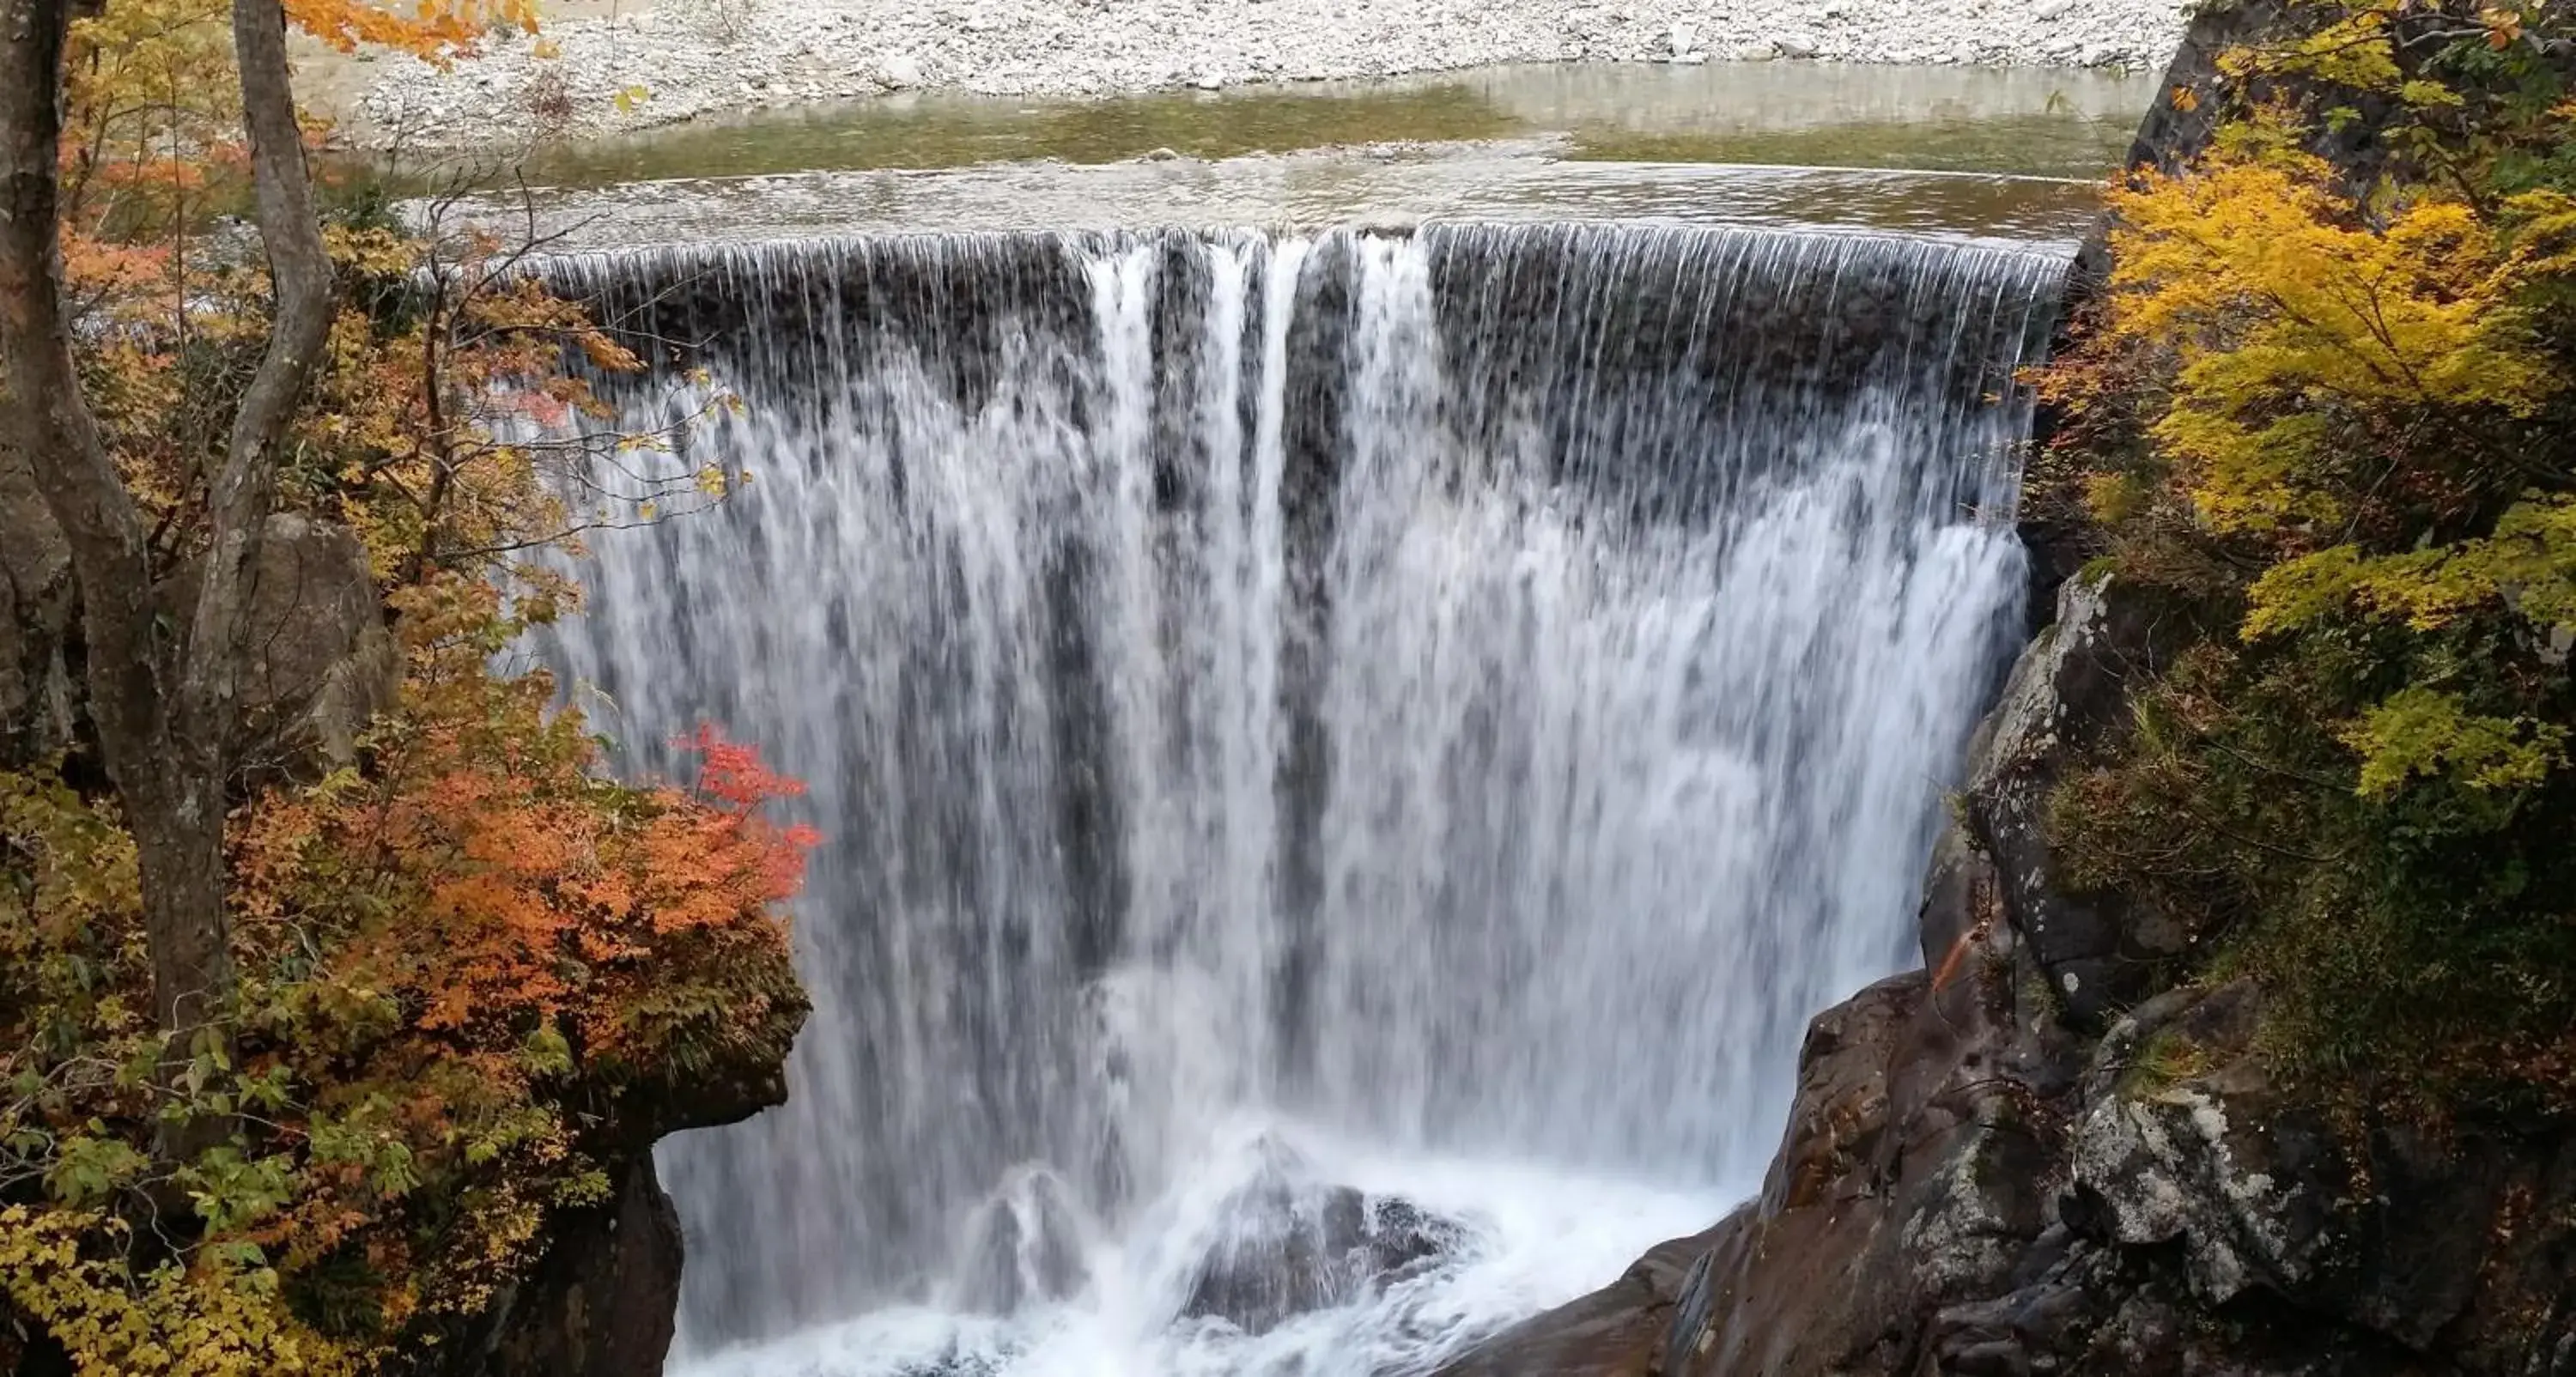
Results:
2054 1149
2045 1157
605 1299
2040 1155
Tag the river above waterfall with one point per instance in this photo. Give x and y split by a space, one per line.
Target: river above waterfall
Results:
2020 120
2005 153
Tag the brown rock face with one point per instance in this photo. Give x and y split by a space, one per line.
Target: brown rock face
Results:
606 1299
1981 1177
1618 1331
322 661
1914 1174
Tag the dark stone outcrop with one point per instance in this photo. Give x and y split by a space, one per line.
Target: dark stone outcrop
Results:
2175 131
604 1299
1986 1174
2212 1223
1289 1245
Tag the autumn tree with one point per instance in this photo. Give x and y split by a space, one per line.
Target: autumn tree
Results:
297 1063
163 684
2321 419
161 693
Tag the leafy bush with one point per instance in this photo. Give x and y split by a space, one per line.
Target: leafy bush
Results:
2322 417
459 967
471 970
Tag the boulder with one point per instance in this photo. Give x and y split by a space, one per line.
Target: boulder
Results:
322 662
1288 1245
2214 1161
2100 952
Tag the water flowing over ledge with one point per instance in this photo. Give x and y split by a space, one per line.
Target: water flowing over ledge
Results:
1432 714
1377 187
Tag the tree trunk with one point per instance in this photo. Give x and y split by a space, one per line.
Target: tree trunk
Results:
164 704
181 856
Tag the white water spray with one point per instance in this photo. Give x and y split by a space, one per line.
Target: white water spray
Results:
1441 711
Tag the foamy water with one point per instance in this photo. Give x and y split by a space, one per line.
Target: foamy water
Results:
1445 708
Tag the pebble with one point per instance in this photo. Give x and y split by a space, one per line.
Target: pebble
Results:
689 64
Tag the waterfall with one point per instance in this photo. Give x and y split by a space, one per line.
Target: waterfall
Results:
1455 703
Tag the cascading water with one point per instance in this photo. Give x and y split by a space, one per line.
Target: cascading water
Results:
1434 713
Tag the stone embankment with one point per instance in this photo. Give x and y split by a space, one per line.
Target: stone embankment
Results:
618 64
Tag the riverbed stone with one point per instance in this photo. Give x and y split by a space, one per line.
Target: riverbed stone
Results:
1289 1245
1082 48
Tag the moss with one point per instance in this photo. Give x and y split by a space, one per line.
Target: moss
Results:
2165 1060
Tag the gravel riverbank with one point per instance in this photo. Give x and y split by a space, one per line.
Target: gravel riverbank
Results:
628 64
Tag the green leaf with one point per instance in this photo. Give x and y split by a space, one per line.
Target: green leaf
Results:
2425 732
88 1169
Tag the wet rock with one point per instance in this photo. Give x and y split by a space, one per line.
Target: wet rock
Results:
1620 1330
604 1301
2099 952
1914 1174
1289 1246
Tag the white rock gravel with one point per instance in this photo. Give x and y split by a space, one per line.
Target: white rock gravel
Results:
687 58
